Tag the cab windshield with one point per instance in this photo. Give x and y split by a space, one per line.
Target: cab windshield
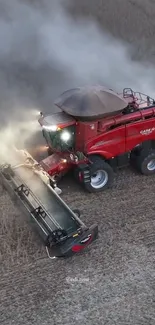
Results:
62 139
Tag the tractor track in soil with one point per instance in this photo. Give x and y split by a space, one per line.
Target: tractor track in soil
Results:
112 282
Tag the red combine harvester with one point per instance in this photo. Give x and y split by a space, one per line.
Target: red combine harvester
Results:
98 131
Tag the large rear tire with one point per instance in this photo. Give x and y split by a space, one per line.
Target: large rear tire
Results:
101 175
145 162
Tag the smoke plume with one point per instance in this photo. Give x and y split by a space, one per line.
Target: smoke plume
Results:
44 51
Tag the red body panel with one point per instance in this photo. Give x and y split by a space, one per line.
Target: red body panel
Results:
136 134
85 131
109 144
121 133
56 164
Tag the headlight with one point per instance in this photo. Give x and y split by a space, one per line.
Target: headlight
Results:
65 136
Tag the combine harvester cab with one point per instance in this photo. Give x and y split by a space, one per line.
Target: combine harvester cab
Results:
60 227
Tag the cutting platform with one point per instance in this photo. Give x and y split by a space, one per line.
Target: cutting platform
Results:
59 215
60 227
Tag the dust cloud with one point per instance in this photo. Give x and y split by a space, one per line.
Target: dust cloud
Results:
16 134
44 51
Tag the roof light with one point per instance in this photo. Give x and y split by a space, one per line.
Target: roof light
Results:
50 127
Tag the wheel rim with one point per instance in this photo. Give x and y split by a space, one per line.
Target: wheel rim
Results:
99 179
151 165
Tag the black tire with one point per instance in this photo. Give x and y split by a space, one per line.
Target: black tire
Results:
98 164
143 160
